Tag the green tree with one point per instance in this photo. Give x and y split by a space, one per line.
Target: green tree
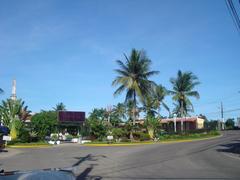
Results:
152 125
119 110
60 107
96 128
133 77
44 123
149 106
230 123
183 88
11 112
160 92
97 114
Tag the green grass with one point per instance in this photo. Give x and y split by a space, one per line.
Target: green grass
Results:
166 138
174 137
27 144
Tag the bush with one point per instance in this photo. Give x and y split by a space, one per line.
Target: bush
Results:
214 133
69 137
119 133
54 137
144 137
44 123
141 136
26 135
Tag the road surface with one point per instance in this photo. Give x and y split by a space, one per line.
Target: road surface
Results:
206 159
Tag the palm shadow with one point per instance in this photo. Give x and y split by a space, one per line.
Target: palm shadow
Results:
85 174
233 147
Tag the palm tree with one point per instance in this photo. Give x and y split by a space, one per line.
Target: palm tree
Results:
60 107
1 91
149 106
10 113
160 93
183 88
133 77
24 113
120 110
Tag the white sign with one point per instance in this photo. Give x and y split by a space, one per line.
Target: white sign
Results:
109 137
7 138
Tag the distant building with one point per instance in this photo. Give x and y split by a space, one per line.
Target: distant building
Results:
189 123
71 121
238 122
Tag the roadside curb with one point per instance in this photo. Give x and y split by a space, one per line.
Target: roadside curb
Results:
191 140
29 146
151 143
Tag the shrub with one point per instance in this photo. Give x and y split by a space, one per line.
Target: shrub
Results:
214 133
141 136
54 137
69 137
44 123
144 137
118 133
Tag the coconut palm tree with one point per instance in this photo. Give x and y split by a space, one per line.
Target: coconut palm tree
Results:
133 77
183 88
1 91
120 110
60 107
149 106
160 92
24 113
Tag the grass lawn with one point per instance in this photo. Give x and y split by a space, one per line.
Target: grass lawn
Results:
31 144
164 138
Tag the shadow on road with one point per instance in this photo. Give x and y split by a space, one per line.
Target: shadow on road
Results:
85 174
233 147
3 150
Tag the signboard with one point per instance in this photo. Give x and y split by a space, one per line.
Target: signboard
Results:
7 138
109 137
71 116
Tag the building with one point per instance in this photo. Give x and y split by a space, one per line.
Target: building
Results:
238 122
71 121
189 123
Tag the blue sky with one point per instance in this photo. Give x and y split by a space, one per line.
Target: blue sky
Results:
65 51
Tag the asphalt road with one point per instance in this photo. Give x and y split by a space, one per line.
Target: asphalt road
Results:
207 159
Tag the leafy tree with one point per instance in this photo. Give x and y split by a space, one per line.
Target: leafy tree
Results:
11 112
160 92
152 124
60 107
98 114
24 113
212 124
149 106
230 123
133 77
44 123
119 110
183 88
97 128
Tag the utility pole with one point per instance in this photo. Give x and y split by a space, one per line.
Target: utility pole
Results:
222 118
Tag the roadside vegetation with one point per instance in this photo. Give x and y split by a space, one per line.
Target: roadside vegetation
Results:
144 99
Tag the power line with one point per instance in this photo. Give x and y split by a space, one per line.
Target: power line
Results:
222 112
233 14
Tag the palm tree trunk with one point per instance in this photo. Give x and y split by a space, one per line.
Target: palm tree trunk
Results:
181 116
134 108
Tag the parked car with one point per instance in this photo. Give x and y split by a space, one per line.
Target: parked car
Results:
3 132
